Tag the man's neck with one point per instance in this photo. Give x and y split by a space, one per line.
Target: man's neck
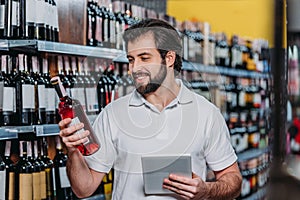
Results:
164 95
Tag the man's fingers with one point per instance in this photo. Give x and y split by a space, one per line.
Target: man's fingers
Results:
63 123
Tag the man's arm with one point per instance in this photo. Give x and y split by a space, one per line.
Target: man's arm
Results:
227 185
84 181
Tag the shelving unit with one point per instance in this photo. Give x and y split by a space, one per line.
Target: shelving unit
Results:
37 47
64 48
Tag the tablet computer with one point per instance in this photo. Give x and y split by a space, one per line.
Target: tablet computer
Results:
156 168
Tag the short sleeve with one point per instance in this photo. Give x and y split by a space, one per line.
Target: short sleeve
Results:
219 152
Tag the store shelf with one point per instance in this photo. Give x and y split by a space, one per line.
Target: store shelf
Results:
222 70
254 170
63 48
8 134
260 194
252 153
39 130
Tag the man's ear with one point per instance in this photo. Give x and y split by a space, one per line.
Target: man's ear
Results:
170 58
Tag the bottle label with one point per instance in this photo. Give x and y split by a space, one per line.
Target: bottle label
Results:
28 96
2 9
2 184
41 94
78 93
64 180
77 121
1 94
91 100
50 100
8 99
11 186
36 179
99 25
25 190
43 185
30 16
39 11
15 20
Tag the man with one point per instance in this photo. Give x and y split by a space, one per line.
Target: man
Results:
160 117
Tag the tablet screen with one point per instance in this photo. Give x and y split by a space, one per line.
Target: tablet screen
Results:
158 167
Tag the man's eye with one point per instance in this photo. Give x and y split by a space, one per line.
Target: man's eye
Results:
145 58
130 61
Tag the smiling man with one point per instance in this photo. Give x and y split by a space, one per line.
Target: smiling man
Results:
160 117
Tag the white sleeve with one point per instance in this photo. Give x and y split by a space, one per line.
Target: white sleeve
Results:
219 152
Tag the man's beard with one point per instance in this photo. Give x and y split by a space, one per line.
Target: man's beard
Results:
154 82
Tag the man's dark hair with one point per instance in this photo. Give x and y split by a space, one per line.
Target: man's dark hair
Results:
166 38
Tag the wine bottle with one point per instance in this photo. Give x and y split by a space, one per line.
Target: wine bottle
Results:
40 20
49 170
90 90
30 22
91 24
23 181
63 186
2 178
55 36
36 172
50 98
71 108
15 19
24 93
10 173
102 92
3 17
41 168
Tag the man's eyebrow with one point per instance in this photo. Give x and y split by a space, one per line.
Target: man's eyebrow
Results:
140 54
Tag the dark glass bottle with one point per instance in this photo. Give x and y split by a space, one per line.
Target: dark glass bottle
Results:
36 172
15 19
63 186
2 178
236 59
40 20
3 19
23 181
49 170
8 101
30 19
102 92
71 108
42 174
91 24
24 94
10 172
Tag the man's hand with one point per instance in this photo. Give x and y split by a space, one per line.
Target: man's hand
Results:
227 185
70 139
187 188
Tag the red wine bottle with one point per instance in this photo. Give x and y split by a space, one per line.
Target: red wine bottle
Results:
71 108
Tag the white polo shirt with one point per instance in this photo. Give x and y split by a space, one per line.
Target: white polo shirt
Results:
131 127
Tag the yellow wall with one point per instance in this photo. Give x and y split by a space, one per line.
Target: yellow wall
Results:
248 18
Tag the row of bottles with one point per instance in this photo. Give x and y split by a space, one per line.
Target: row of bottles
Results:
27 96
202 46
255 174
32 174
30 19
106 25
106 21
245 104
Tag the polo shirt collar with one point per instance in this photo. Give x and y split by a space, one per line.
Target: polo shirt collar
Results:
184 97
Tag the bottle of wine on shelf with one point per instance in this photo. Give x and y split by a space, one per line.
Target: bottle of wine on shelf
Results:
36 169
2 178
10 173
42 174
23 181
71 108
49 170
62 183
